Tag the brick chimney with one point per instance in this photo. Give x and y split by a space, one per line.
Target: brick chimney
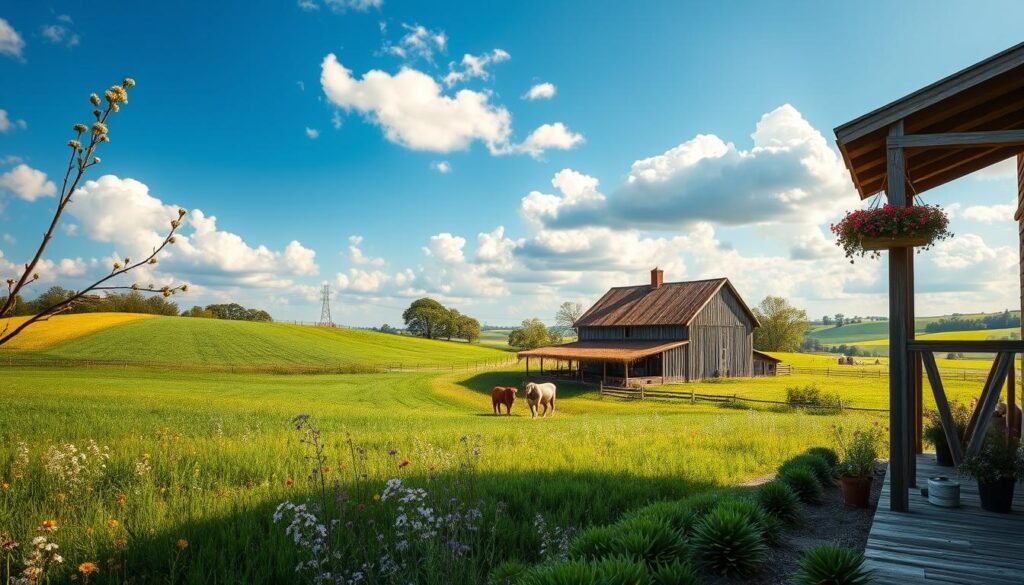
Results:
657 278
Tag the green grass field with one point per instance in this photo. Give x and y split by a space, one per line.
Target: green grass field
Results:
876 333
205 342
206 457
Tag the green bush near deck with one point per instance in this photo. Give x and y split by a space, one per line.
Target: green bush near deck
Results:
726 542
676 573
779 500
679 515
804 482
822 470
829 455
507 573
832 564
648 539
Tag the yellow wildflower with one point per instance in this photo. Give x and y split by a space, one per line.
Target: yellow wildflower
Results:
182 544
88 568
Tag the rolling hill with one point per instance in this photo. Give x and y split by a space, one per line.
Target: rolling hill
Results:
876 333
207 342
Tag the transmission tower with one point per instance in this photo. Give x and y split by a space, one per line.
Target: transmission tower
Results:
325 310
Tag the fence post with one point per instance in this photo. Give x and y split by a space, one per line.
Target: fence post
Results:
641 391
693 396
840 405
600 388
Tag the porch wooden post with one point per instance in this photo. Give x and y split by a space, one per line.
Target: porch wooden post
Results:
901 426
527 368
604 373
1012 424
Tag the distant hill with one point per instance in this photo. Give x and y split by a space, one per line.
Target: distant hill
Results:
877 332
189 341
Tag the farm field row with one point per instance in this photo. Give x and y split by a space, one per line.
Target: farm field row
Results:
207 457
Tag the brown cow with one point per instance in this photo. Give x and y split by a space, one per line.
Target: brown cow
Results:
503 395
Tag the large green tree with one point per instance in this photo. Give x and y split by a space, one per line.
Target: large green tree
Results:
532 334
427 318
782 325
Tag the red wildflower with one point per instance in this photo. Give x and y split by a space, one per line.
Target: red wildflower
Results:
403 463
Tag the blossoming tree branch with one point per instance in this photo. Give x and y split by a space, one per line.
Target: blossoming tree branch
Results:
83 157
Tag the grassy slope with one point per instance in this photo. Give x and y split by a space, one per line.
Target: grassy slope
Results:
43 334
856 333
980 334
189 341
223 444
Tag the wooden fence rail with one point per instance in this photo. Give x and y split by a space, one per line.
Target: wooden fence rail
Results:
966 375
693 397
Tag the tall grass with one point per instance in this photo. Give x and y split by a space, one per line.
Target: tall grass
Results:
61 328
207 459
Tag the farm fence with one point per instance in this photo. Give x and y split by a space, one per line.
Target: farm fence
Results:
693 397
965 375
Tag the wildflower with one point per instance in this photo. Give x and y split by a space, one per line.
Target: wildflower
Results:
403 463
48 526
61 496
393 452
95 99
80 128
89 531
96 160
88 568
113 523
289 482
74 144
360 507
376 497
121 543
182 544
8 544
99 128
128 82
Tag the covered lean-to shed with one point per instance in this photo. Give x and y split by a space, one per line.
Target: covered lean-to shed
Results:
661 333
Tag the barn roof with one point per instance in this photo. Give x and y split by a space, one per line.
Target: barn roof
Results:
760 355
985 97
673 303
619 351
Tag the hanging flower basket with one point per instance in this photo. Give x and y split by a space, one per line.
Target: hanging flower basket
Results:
867 231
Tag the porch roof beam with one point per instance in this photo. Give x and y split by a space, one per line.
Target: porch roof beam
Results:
958 139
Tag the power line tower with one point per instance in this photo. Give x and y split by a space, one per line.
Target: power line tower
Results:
325 309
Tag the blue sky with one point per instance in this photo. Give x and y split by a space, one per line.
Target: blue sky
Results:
693 136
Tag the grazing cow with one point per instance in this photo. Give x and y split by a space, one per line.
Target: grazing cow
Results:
503 395
538 395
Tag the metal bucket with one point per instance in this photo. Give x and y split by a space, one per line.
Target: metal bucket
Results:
943 492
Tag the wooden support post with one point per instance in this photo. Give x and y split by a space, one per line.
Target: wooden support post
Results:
625 371
527 368
988 401
900 421
604 372
948 426
1012 424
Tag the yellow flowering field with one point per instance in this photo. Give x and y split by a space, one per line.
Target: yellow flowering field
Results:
44 334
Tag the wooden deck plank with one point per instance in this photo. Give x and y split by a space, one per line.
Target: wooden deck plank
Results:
930 545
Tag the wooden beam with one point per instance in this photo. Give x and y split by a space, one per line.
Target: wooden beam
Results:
972 422
1012 424
899 411
988 402
942 404
958 139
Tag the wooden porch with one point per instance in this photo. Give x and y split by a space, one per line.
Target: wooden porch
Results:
930 545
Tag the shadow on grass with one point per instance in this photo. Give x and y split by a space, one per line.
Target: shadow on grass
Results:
484 382
246 546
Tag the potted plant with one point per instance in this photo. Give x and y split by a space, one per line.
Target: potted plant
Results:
857 466
997 468
934 433
889 226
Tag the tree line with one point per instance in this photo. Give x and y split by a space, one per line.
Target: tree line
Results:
132 302
1003 320
430 319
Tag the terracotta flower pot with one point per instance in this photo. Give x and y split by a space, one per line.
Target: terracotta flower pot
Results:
856 491
997 496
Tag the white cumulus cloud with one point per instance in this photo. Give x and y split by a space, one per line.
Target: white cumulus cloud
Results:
7 124
541 91
11 43
356 255
474 66
550 136
27 183
443 167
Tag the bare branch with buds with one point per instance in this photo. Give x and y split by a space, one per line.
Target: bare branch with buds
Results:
81 158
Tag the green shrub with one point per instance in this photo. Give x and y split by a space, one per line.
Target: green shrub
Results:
621 571
593 543
678 515
804 483
728 543
811 397
650 540
676 573
770 527
829 455
562 573
779 500
822 470
702 503
830 564
507 573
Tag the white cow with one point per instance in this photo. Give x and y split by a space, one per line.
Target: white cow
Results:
538 395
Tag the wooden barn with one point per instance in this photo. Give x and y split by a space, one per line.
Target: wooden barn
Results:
661 333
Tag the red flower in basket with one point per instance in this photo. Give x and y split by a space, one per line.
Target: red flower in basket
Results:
868 231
